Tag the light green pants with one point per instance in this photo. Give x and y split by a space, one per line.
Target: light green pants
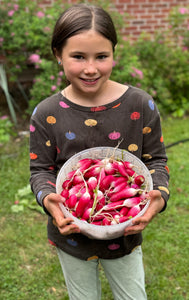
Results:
125 276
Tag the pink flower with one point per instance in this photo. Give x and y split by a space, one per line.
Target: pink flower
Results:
52 77
16 202
34 58
183 10
138 72
53 87
46 29
17 67
40 14
114 63
16 6
133 74
10 21
12 33
11 13
61 73
4 117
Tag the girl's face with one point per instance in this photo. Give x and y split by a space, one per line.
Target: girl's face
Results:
87 60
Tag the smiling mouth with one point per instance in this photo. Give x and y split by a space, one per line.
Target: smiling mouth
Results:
94 80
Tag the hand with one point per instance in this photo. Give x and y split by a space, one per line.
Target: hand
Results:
140 223
64 225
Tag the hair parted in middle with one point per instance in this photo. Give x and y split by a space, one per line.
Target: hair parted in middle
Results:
79 18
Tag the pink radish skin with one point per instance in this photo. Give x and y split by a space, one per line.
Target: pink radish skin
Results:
84 164
123 211
126 193
82 203
75 189
128 165
132 201
139 180
77 179
92 183
71 202
117 189
122 169
130 172
71 174
123 219
106 222
65 193
106 182
96 223
110 168
134 211
67 184
86 214
93 171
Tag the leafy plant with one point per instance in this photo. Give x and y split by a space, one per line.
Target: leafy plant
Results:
24 198
159 65
6 129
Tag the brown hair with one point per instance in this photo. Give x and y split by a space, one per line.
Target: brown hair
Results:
78 18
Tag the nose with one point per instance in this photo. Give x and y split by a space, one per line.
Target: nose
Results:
90 68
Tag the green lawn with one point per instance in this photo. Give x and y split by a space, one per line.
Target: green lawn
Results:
29 266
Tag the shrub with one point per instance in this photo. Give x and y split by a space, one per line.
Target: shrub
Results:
160 66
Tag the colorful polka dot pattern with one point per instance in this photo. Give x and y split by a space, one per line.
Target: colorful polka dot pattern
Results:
92 122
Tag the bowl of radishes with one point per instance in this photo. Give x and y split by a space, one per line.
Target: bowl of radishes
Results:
103 190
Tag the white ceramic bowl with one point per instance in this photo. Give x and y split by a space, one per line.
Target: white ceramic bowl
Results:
111 231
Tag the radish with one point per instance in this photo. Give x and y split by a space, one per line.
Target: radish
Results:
134 211
84 164
82 203
124 210
139 180
71 201
128 165
92 183
122 169
130 202
104 192
86 213
123 219
106 182
67 184
110 168
126 193
65 193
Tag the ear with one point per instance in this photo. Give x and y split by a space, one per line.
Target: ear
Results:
55 52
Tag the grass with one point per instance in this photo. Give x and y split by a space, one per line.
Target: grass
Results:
29 266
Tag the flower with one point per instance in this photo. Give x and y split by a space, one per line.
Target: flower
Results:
137 72
4 117
61 73
52 77
16 6
46 29
183 10
34 58
12 33
114 63
40 14
10 13
53 87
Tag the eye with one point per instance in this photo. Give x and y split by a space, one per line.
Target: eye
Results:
78 57
102 56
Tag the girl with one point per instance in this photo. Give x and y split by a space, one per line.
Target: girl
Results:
83 42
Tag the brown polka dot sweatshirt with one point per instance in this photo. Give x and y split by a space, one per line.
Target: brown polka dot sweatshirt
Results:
60 129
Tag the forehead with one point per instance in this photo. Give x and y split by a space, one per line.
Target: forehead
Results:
88 40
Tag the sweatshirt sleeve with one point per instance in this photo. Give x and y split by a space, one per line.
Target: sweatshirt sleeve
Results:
154 154
43 154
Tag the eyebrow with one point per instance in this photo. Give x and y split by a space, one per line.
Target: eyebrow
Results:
82 53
